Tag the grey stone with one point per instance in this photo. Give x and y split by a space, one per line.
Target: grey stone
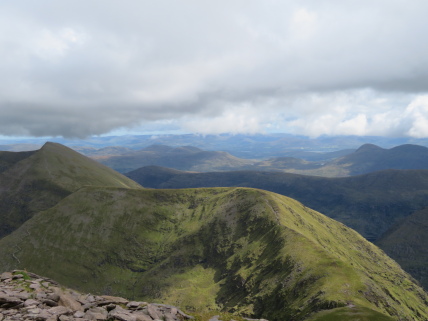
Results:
59 310
6 275
30 302
9 301
34 311
153 312
114 299
79 314
69 301
50 303
121 314
140 316
136 304
96 314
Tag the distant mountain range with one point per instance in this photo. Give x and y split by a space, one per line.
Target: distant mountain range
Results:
368 158
256 146
245 251
184 157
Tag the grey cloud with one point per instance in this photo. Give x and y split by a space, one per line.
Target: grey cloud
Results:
77 68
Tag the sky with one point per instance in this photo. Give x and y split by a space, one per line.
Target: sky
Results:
97 67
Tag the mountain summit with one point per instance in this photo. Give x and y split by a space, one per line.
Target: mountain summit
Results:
35 181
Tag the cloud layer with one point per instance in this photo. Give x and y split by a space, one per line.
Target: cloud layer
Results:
79 68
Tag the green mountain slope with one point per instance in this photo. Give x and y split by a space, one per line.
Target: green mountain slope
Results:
34 181
241 250
8 159
408 243
369 203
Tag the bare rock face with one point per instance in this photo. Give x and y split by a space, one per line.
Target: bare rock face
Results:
27 296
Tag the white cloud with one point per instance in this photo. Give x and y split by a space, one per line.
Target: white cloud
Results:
51 45
236 119
303 24
417 113
323 67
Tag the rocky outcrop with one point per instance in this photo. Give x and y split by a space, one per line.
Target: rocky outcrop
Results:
28 296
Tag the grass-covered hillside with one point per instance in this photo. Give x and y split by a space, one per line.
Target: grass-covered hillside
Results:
372 204
369 203
34 181
407 243
245 251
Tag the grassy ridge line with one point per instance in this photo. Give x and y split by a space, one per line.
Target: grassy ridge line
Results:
245 251
369 203
40 180
372 204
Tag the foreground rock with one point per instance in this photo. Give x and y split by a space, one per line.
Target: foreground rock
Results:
27 296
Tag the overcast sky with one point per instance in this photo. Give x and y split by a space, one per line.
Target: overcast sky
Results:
78 68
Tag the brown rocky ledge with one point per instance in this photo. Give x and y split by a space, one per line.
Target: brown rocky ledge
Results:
27 296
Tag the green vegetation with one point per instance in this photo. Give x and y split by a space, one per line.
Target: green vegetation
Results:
369 203
241 251
372 204
35 181
350 314
407 243
8 159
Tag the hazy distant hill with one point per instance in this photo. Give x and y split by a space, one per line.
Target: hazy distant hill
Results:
258 146
369 158
241 250
34 181
183 158
317 156
105 151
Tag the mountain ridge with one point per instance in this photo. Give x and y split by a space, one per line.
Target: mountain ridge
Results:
42 178
240 250
371 203
367 158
